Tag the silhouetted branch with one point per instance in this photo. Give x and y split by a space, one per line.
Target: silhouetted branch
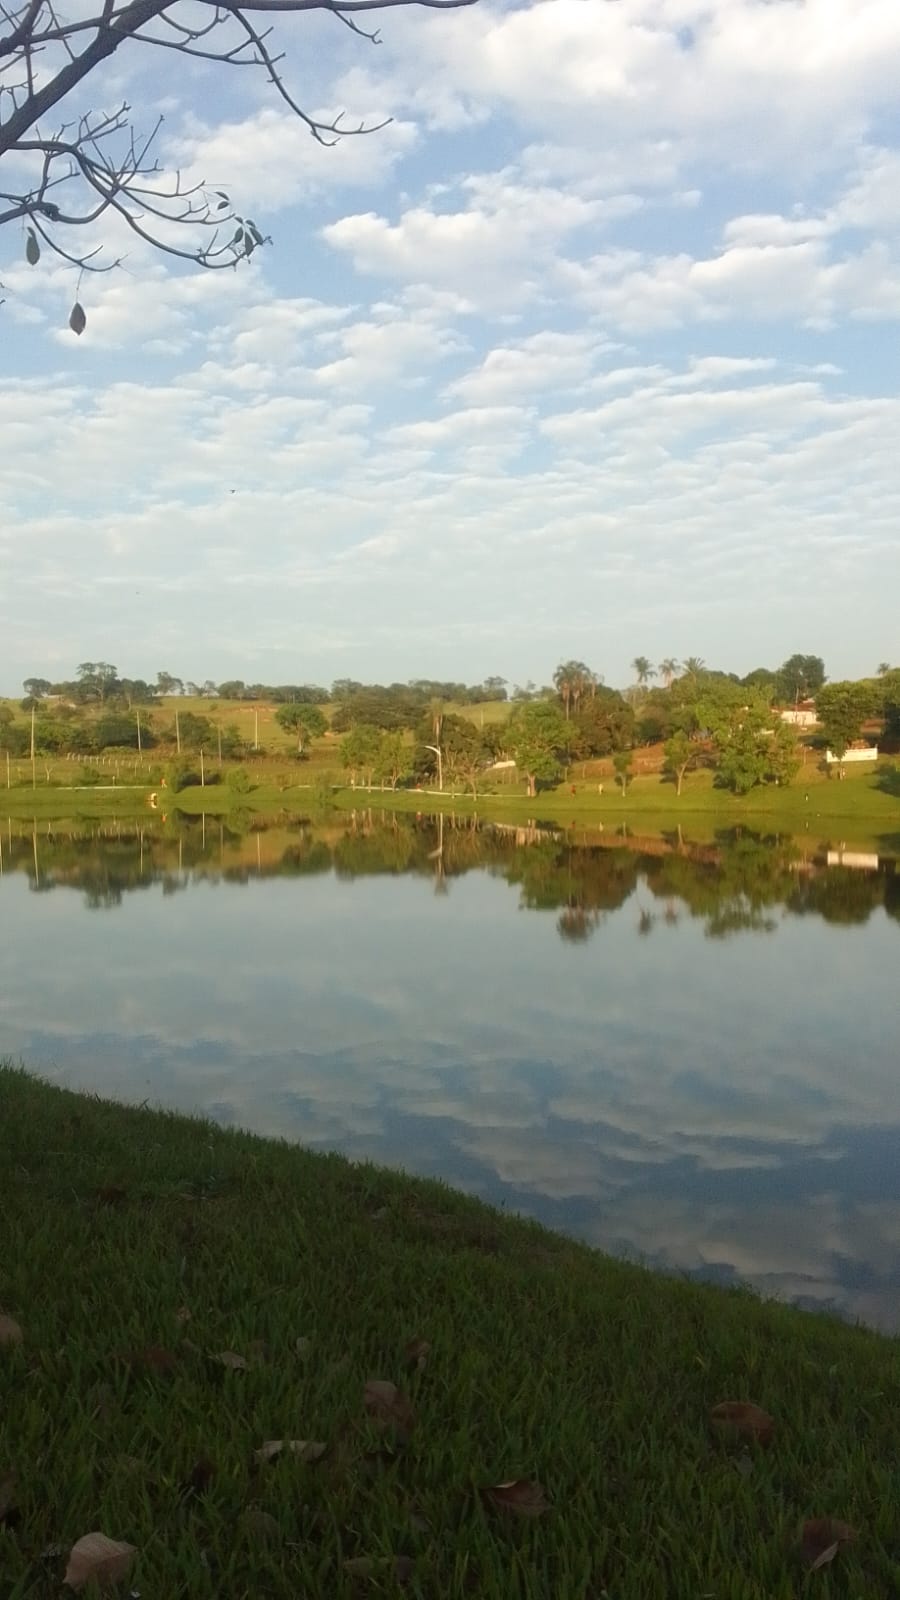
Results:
45 60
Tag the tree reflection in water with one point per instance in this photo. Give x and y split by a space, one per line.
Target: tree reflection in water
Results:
736 883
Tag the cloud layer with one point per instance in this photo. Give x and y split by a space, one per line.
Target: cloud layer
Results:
592 341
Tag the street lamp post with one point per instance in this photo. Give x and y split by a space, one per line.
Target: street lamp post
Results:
437 750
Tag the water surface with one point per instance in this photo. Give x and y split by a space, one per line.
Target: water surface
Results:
683 1051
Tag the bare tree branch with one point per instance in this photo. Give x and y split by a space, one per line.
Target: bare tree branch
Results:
45 60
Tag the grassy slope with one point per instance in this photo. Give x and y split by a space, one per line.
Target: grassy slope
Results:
547 1361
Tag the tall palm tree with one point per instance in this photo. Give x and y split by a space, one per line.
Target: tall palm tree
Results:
668 670
563 680
693 667
643 671
572 680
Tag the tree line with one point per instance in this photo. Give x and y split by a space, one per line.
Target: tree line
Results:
417 732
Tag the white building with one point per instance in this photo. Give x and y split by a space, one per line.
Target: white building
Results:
802 715
856 752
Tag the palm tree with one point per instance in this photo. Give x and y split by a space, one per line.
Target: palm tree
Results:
884 667
563 681
643 671
572 680
693 667
668 670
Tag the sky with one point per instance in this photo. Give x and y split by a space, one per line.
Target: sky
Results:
591 352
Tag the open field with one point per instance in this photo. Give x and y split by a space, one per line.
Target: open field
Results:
174 1296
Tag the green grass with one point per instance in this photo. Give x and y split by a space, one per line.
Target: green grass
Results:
548 1362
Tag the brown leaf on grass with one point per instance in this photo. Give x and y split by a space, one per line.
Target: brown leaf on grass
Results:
416 1352
387 1405
258 1352
231 1360
154 1358
525 1498
746 1419
9 1506
261 1523
302 1348
111 1194
821 1539
306 1449
99 1559
183 1315
10 1332
401 1567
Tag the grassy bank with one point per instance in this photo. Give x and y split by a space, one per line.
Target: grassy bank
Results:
137 1248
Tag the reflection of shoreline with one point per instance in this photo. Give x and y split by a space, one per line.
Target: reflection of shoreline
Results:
729 881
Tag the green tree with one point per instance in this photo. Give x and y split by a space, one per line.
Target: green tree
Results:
799 677
750 751
306 721
36 688
466 752
842 709
97 680
603 723
393 759
623 762
359 751
195 732
668 669
538 737
681 754
643 671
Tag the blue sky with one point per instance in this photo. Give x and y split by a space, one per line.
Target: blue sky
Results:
592 352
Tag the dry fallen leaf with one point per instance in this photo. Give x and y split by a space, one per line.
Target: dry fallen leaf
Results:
258 1352
10 1332
183 1315
744 1418
112 1194
525 1498
416 1352
231 1360
306 1449
821 1539
302 1347
387 1405
97 1558
260 1522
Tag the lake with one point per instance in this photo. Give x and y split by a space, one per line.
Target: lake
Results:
680 1050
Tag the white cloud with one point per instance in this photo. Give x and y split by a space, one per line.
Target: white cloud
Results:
269 160
493 253
543 362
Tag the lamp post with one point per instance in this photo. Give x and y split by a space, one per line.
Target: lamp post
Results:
437 750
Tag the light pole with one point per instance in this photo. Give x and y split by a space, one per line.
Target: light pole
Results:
437 750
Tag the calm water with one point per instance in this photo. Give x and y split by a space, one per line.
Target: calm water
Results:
688 1052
